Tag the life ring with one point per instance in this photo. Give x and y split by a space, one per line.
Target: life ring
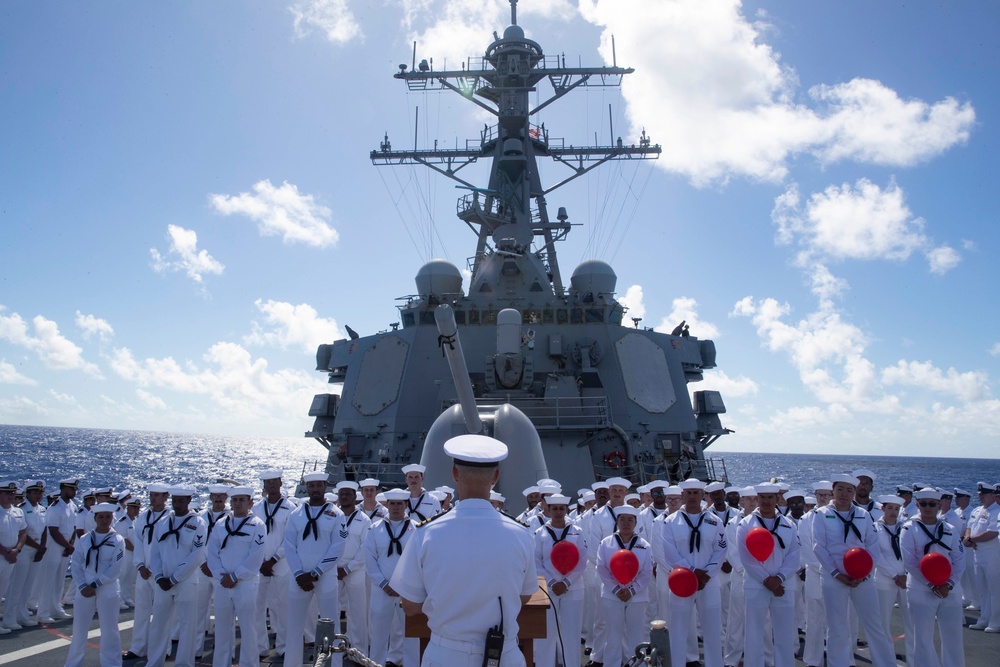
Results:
615 459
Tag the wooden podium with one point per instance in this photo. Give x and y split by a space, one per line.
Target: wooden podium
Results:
530 622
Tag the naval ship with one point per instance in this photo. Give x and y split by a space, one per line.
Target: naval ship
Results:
605 396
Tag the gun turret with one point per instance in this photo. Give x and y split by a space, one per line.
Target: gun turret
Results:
448 338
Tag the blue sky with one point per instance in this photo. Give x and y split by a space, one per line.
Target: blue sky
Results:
188 207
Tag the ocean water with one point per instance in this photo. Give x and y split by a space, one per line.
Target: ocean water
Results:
133 459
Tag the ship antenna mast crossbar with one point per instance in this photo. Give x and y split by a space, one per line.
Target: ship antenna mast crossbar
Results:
512 209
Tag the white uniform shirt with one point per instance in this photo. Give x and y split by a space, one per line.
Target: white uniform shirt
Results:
832 537
210 518
732 543
353 529
682 546
236 547
644 526
275 518
62 516
380 512
874 509
382 551
178 547
11 524
889 560
422 507
545 539
145 526
916 543
34 518
807 552
312 539
97 560
639 585
983 520
125 527
784 560
602 524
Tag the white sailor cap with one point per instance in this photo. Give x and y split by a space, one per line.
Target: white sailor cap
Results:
353 486
732 489
315 476
599 485
219 488
619 481
627 510
904 488
672 490
240 491
587 496
557 499
271 473
783 486
447 490
528 491
692 483
643 489
766 488
633 496
810 500
712 487
927 494
70 481
104 507
32 484
985 487
396 494
823 485
920 485
748 492
496 497
437 495
548 489
657 484
182 490
329 497
414 467
864 472
547 481
370 481
380 498
158 487
795 493
891 500
844 479
8 486
962 492
476 450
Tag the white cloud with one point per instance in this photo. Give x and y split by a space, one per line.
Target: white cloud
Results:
21 407
281 211
55 350
292 326
333 18
151 401
94 326
709 87
718 380
969 386
943 259
632 300
183 255
10 375
995 350
685 309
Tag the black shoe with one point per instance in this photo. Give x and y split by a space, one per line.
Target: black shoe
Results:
594 664
692 663
862 643
129 655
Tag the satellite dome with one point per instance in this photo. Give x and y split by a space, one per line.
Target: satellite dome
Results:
513 33
594 276
439 276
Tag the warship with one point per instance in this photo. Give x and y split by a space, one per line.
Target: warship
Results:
605 396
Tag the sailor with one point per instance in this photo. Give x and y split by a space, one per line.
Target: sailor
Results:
715 493
970 594
125 526
837 528
923 535
634 500
908 510
591 583
981 536
469 570
370 505
541 514
695 539
13 535
736 613
733 498
351 566
28 558
890 571
647 517
602 525
532 496
121 499
145 525
272 592
813 649
769 584
862 496
313 545
235 552
384 544
497 500
84 517
174 556
60 521
96 564
218 494
624 603
449 494
795 500
420 505
565 590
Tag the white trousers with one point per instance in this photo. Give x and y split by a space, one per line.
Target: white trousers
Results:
355 591
840 644
326 593
763 606
272 600
22 577
925 609
143 612
180 599
569 610
987 556
735 621
388 627
203 609
887 597
232 604
591 594
105 605
625 628
126 580
708 603
443 652
52 576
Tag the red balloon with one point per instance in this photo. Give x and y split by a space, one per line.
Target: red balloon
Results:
564 556
936 568
624 566
682 582
857 563
760 543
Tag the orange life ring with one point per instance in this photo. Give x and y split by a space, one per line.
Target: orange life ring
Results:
615 459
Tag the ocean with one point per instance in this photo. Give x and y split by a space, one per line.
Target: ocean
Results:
133 459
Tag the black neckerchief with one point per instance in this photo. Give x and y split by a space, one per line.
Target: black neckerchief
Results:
552 533
395 540
413 510
933 539
868 507
894 540
311 521
269 516
774 530
96 547
373 512
237 533
211 523
149 525
176 532
621 543
694 544
849 525
724 516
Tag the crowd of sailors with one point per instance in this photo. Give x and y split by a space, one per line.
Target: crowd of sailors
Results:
255 557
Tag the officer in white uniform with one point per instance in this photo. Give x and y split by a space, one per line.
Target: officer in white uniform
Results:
235 552
420 505
351 566
925 534
695 539
218 494
125 526
836 529
145 525
96 564
272 592
962 498
384 544
624 603
890 571
981 536
175 554
471 569
26 569
60 521
13 534
313 545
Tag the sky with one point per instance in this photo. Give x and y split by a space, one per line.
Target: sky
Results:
188 207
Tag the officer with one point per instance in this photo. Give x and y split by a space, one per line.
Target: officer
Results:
125 526
313 545
96 564
28 558
981 536
13 534
471 569
351 566
175 554
624 603
146 524
272 592
60 521
420 505
970 594
384 544
218 494
235 552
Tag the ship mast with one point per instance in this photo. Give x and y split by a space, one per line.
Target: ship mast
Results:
510 215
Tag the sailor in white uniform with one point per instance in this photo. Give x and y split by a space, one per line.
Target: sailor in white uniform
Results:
970 594
814 647
313 545
591 583
715 492
13 534
175 554
235 552
923 535
125 526
909 509
26 569
60 521
351 566
420 505
532 496
471 569
384 544
370 505
981 537
449 495
837 528
272 592
769 585
145 524
890 570
736 613
96 564
695 539
624 603
602 525
218 494
647 517
862 495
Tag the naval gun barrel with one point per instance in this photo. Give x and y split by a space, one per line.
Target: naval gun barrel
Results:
444 316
